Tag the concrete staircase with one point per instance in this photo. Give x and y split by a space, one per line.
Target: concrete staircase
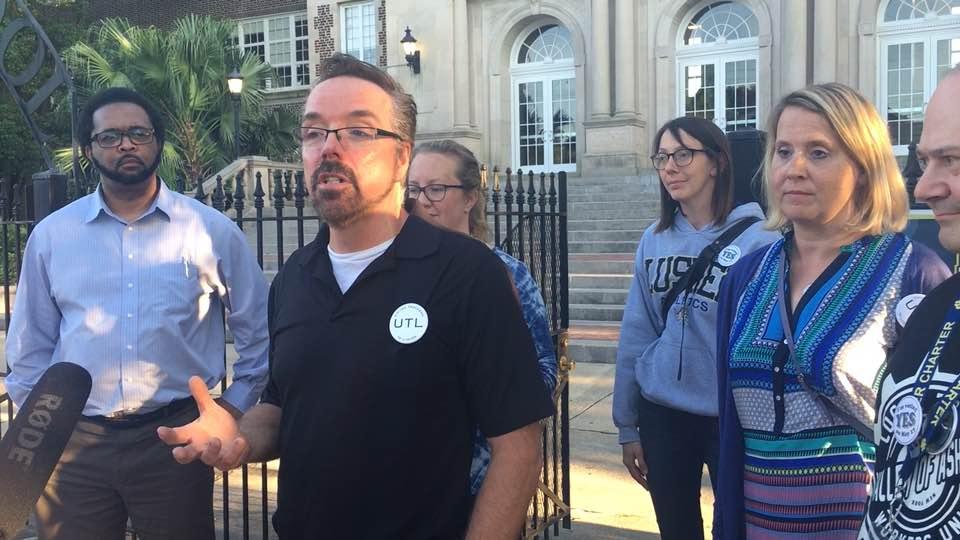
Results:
607 217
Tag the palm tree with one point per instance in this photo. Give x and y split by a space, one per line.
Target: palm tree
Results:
183 71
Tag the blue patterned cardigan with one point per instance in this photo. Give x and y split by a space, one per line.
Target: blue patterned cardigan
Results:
535 315
923 270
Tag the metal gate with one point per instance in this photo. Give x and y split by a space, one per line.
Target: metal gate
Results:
528 214
529 222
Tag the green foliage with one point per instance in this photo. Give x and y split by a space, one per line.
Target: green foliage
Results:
183 71
63 22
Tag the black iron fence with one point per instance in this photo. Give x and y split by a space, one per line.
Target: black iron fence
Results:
528 220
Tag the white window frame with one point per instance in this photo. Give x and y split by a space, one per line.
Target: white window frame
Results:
343 28
717 53
267 42
927 30
719 60
545 72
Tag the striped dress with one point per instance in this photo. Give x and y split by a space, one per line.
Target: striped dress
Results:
805 471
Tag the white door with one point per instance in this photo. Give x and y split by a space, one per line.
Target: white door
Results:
721 89
544 122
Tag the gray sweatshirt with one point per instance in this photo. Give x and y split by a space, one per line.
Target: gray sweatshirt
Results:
673 362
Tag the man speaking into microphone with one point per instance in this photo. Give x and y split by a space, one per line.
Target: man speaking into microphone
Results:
128 282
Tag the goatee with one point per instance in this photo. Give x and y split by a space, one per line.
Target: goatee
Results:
341 208
128 179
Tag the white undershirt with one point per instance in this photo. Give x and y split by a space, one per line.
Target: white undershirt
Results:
348 266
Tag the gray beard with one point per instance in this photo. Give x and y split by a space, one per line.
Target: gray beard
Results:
340 210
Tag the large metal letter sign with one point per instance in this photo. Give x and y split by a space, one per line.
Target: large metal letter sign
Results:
52 180
16 80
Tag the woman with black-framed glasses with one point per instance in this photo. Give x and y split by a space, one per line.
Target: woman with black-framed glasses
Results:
443 188
665 387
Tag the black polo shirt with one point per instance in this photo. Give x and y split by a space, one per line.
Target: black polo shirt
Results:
376 434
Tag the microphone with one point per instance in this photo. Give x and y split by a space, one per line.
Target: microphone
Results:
37 437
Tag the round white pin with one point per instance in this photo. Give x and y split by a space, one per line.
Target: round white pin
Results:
728 255
907 420
409 323
905 307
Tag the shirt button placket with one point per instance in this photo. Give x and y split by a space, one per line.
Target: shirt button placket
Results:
129 303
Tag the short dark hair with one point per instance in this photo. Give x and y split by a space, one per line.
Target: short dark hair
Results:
717 149
468 172
109 96
404 107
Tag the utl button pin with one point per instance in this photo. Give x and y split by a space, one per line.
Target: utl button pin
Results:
409 323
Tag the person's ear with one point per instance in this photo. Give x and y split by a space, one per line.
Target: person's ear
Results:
471 200
404 153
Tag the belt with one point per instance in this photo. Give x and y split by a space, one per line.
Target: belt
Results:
133 419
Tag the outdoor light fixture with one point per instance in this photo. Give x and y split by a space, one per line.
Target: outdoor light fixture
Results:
412 54
235 82
235 86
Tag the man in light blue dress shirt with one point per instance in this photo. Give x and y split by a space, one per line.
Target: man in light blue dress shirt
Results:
129 282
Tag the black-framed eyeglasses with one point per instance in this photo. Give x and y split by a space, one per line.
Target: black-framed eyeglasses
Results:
350 136
433 192
681 157
110 138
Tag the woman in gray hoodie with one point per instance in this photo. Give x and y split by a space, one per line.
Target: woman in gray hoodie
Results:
665 391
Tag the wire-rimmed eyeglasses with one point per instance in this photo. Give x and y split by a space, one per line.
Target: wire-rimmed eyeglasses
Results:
433 192
110 138
349 136
681 157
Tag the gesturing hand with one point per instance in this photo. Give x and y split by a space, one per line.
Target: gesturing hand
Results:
635 464
213 437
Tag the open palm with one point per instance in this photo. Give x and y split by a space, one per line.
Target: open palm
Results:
214 437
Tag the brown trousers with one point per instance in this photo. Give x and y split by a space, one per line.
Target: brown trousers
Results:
108 474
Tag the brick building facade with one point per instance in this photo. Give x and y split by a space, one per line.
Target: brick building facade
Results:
163 13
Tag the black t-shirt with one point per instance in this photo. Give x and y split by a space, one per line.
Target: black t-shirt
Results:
931 507
381 388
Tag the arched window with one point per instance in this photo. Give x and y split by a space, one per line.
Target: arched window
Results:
546 44
919 43
721 22
717 65
905 10
544 100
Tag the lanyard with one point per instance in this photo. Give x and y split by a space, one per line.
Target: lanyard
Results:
818 397
944 405
924 377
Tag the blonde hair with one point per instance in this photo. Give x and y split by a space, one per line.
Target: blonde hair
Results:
468 172
879 203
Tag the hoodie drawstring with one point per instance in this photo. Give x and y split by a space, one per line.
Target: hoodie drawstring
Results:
683 330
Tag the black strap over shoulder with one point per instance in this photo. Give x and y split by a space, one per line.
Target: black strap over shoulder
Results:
699 267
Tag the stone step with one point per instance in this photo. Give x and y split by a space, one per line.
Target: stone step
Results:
590 312
594 341
601 281
602 297
625 193
608 225
601 235
592 351
601 263
607 214
647 208
649 178
599 246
